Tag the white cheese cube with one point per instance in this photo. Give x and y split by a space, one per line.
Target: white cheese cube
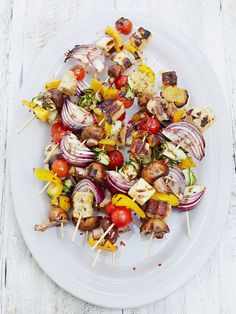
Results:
68 83
141 191
83 204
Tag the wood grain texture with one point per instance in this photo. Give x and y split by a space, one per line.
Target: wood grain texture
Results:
25 28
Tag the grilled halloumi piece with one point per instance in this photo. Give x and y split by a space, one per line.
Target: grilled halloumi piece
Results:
141 191
202 118
68 83
107 44
139 38
124 58
83 204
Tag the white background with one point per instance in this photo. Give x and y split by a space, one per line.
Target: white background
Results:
25 28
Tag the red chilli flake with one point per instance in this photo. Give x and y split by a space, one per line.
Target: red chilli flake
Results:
122 243
159 264
81 233
134 268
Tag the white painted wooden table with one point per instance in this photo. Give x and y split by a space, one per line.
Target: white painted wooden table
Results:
25 28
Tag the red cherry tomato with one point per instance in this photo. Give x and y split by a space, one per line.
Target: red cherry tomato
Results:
57 127
124 26
122 117
121 216
116 159
79 72
150 124
57 137
121 81
109 208
60 167
128 102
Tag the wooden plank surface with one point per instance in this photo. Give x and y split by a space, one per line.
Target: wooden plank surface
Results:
25 28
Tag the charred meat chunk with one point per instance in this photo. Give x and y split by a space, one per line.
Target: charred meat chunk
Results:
113 234
158 209
115 70
169 78
96 171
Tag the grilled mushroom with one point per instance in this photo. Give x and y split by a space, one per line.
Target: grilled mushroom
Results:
95 132
56 217
154 170
161 186
156 107
156 226
97 171
158 209
88 223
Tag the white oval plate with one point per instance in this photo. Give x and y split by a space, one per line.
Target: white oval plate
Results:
134 281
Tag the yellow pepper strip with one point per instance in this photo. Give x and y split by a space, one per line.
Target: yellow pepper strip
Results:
107 142
108 129
39 111
105 91
96 85
63 202
177 116
52 84
168 198
116 36
187 163
45 175
107 246
123 200
146 70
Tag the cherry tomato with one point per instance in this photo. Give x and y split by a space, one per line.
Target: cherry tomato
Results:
128 102
57 127
79 72
124 26
57 137
121 81
121 216
116 159
60 167
150 124
122 117
109 208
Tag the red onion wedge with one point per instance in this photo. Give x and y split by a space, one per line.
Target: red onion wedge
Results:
192 197
117 184
107 199
81 86
87 185
88 55
187 136
75 117
176 181
75 153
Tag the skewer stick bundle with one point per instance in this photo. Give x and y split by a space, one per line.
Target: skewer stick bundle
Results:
76 228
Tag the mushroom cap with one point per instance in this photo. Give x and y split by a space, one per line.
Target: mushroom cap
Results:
156 226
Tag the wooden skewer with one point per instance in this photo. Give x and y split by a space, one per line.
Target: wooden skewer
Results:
149 248
76 228
96 258
102 121
26 124
51 152
144 138
62 230
113 259
188 224
44 188
103 236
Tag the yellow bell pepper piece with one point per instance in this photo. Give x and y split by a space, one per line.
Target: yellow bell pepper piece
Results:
45 175
96 85
146 70
107 246
187 163
109 92
116 36
177 116
107 142
123 200
62 201
52 84
39 111
108 129
168 198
